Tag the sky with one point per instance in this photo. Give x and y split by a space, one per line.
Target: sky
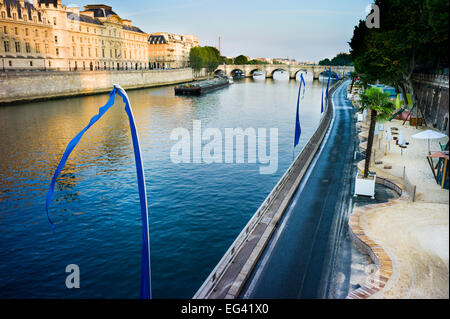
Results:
304 30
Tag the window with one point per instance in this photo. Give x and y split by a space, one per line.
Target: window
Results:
10 63
73 39
103 53
56 39
16 31
38 48
57 52
36 33
46 33
46 48
27 47
89 52
31 63
82 51
74 51
5 30
26 31
3 15
54 21
17 46
6 46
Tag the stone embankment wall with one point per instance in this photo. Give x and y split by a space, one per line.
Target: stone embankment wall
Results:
29 86
432 96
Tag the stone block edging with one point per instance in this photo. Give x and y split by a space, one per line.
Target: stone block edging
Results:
377 253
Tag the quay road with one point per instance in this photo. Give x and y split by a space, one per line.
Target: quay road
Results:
299 259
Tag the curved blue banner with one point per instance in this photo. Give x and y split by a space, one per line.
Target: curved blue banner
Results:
145 262
298 129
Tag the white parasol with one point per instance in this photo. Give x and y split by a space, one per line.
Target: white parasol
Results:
429 135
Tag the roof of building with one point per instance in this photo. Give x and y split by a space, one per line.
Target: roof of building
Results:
132 28
101 11
54 2
16 3
83 18
157 39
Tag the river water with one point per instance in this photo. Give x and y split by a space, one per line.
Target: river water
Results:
196 210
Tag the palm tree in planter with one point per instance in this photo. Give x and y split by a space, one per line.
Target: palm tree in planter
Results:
381 108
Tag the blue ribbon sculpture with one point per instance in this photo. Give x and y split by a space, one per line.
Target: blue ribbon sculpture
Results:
145 262
328 83
298 129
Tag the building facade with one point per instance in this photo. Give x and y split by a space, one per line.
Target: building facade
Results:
46 35
167 50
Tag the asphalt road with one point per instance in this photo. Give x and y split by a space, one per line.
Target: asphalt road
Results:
299 259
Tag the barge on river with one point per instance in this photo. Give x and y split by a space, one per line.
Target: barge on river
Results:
201 87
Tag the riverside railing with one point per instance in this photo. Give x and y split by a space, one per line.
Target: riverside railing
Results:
231 273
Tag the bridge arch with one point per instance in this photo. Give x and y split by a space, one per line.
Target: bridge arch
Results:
236 70
296 72
325 74
252 71
270 73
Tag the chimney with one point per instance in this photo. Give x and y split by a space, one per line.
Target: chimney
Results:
88 13
127 22
73 9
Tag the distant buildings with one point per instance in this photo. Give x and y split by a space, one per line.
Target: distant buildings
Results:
167 50
284 61
48 35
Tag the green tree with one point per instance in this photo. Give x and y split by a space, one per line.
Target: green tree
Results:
381 108
240 60
195 58
413 33
342 59
205 57
353 76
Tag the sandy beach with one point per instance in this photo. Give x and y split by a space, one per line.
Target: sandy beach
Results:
414 234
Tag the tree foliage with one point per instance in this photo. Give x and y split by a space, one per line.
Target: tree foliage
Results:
412 34
240 60
342 59
381 109
205 57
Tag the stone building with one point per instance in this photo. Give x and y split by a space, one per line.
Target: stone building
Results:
26 35
48 35
167 50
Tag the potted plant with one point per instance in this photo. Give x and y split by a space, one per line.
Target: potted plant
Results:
380 107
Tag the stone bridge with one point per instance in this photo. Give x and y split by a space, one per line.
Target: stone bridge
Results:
269 69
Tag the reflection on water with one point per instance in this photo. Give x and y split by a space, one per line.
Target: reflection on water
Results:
196 210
